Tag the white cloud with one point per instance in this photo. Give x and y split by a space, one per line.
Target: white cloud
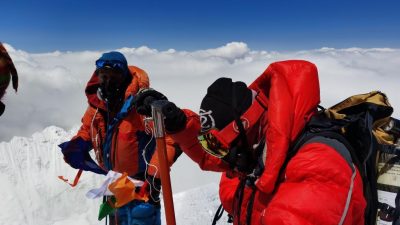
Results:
231 51
52 84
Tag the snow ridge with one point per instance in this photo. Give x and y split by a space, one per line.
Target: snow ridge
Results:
33 195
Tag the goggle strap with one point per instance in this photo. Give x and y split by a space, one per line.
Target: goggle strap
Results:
232 157
242 132
227 135
222 141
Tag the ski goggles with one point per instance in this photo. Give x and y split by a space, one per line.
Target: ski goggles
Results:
117 65
219 143
212 144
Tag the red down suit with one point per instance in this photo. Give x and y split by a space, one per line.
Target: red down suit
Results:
318 185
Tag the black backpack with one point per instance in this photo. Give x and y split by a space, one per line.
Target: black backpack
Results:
363 124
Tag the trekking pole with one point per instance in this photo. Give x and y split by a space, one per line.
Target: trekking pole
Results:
159 134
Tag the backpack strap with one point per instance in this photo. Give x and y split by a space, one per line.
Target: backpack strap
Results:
345 153
339 144
237 203
218 214
248 181
249 209
389 149
370 192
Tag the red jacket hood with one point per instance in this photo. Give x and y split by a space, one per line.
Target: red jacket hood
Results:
292 88
139 80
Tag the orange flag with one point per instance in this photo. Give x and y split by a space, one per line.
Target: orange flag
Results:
124 191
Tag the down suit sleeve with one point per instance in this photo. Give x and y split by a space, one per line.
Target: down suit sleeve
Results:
187 140
84 130
76 151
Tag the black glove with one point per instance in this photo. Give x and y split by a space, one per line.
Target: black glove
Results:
2 108
240 159
15 83
144 98
14 77
175 118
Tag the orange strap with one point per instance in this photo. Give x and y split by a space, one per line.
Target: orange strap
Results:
143 191
76 180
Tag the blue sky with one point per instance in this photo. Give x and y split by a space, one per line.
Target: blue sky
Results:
281 25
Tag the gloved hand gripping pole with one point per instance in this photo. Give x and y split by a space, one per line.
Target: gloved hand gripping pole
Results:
159 134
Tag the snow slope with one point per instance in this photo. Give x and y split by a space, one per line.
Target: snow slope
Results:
33 195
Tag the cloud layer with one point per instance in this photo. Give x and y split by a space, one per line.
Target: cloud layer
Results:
52 84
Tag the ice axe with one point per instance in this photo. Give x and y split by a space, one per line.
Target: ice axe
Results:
159 134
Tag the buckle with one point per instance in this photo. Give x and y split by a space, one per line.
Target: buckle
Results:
386 212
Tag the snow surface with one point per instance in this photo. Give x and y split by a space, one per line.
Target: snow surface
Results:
33 195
